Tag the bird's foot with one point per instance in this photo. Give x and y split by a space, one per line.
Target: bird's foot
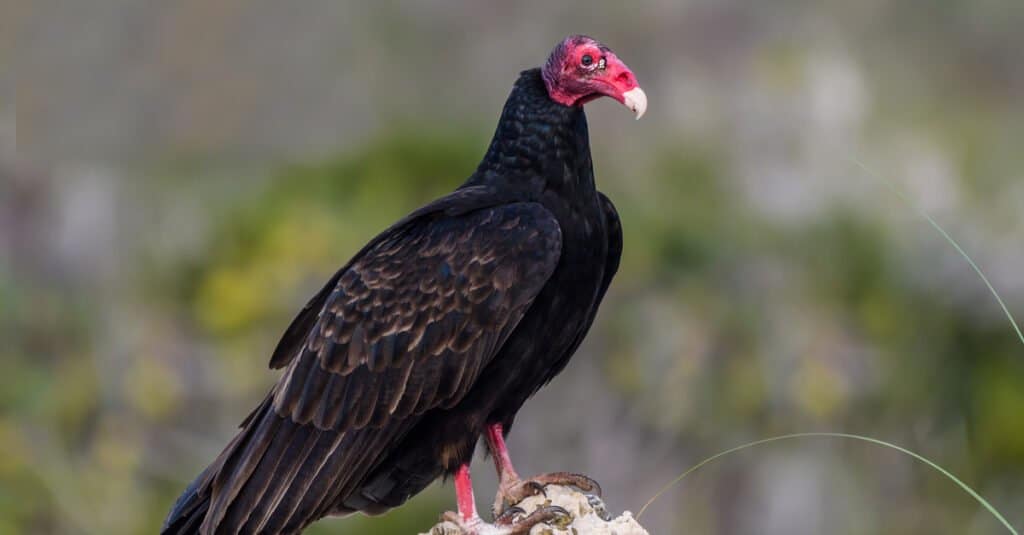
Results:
518 522
513 521
513 491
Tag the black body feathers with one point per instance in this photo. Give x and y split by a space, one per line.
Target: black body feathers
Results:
447 321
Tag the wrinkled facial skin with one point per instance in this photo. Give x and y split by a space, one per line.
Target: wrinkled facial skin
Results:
580 69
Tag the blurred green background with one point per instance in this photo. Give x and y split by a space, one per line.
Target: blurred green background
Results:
178 177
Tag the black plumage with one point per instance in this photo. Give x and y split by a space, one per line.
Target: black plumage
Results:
444 323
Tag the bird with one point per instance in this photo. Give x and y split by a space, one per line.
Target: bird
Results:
437 331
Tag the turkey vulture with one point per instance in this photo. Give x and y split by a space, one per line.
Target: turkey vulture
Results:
437 331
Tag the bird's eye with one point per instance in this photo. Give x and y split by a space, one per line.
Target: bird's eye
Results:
587 60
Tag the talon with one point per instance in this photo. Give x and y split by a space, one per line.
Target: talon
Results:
520 490
568 479
511 522
508 517
552 515
514 492
579 481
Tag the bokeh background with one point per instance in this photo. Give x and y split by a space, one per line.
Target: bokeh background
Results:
178 178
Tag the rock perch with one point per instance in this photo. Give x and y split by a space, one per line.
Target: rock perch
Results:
587 516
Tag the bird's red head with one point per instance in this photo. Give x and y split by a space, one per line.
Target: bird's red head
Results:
581 69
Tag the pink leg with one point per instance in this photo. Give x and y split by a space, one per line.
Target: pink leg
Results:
512 489
470 523
464 494
506 524
502 461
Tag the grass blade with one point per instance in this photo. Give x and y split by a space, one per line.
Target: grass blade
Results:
892 187
876 441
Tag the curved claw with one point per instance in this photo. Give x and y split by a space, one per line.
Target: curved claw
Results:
583 483
514 493
569 479
551 514
511 493
511 522
533 488
508 517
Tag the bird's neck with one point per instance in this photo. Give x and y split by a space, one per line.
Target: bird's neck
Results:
538 141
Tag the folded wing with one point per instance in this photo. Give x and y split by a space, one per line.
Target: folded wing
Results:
411 323
406 327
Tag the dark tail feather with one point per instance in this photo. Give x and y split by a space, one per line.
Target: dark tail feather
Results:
277 476
188 512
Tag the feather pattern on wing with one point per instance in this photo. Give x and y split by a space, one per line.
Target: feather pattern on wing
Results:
406 321
404 328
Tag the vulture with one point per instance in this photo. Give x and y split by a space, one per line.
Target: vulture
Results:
437 331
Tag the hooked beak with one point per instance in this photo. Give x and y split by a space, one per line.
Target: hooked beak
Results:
636 100
623 85
609 77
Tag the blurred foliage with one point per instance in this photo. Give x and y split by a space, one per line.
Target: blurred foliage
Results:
687 310
766 286
334 207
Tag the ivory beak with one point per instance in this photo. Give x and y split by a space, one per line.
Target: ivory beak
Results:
636 100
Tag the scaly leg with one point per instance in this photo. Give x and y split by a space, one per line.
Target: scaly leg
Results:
512 489
470 523
464 498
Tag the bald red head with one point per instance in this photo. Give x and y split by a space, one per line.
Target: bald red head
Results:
581 69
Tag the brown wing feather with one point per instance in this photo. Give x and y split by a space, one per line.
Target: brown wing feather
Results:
443 287
406 327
